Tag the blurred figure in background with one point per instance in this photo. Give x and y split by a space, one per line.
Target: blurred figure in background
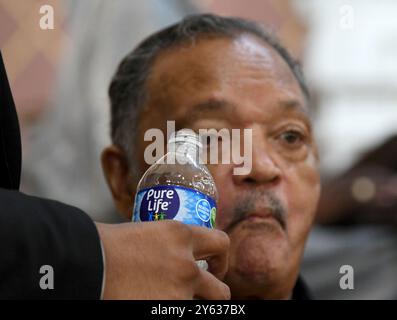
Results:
366 193
358 214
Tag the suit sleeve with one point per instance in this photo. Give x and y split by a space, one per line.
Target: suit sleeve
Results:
35 232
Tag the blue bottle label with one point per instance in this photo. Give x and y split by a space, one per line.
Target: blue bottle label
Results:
174 202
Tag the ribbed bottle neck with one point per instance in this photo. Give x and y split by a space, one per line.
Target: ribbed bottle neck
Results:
185 149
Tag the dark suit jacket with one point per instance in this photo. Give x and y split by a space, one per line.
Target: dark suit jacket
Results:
36 232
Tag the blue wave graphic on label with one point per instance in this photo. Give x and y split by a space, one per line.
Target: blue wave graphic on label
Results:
174 202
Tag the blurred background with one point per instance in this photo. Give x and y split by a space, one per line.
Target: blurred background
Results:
59 78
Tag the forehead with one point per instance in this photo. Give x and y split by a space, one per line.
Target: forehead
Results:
242 69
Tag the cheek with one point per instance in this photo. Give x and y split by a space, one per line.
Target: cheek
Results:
224 214
302 193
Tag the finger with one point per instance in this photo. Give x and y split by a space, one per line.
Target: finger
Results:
213 246
210 288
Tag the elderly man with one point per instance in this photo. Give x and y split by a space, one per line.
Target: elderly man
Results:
215 72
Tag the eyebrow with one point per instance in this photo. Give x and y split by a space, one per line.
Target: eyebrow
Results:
294 105
301 111
214 106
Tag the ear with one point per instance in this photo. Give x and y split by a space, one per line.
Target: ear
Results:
117 173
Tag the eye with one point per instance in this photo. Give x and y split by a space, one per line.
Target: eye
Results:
292 138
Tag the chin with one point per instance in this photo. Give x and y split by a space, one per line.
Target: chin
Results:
253 284
258 264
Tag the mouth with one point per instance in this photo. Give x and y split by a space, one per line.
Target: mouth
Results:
257 218
260 217
258 209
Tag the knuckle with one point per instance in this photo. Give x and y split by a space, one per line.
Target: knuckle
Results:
181 228
179 231
224 240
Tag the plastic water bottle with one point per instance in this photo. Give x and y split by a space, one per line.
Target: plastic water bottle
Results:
178 186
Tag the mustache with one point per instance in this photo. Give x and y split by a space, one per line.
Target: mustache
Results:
257 200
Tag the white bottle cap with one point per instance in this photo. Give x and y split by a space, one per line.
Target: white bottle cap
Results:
186 135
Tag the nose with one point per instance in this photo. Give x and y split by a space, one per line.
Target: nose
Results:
264 170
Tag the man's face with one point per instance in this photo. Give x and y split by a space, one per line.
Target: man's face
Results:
243 83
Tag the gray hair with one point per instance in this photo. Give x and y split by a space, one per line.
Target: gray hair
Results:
127 90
